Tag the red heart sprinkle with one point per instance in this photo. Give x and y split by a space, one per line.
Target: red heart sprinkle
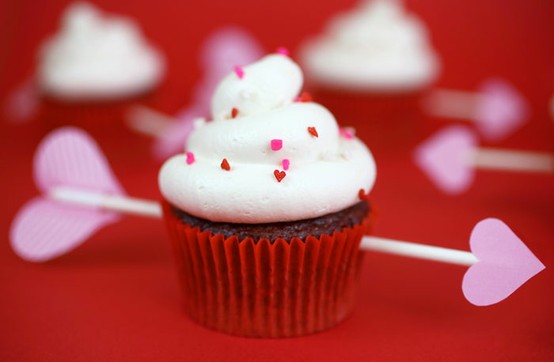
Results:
234 112
279 175
313 131
225 165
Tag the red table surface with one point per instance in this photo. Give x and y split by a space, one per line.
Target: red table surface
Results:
117 297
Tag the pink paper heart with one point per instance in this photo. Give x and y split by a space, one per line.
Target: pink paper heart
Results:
444 158
501 111
174 138
505 263
45 228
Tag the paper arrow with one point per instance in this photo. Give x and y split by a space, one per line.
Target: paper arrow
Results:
497 108
81 195
449 158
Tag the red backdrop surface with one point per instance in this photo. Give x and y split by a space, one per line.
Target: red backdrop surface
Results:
117 296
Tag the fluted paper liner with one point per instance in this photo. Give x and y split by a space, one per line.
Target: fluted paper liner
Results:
261 289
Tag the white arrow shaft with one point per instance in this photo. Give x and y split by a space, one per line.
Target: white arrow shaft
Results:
148 121
501 159
453 104
420 251
118 203
150 208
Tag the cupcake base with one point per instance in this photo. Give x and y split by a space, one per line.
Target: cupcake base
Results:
264 289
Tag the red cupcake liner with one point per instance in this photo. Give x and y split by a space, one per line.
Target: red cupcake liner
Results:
261 289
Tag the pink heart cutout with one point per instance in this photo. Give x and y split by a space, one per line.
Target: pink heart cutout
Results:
45 228
505 263
444 158
501 111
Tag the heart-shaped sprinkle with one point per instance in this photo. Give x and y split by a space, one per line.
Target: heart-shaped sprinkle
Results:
285 163
225 165
279 175
505 263
190 158
239 72
234 112
276 144
313 131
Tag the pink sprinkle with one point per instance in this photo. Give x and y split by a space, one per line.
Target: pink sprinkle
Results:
346 133
239 72
283 51
276 144
190 158
286 164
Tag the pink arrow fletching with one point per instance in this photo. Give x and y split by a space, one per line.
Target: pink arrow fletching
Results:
505 263
444 159
46 228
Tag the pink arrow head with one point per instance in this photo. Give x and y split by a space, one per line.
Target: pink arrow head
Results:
45 228
501 111
444 159
505 263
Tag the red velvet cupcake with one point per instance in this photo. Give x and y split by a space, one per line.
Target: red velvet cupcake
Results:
93 69
373 65
264 211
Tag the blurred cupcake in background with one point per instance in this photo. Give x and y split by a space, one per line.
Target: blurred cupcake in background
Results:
93 68
375 60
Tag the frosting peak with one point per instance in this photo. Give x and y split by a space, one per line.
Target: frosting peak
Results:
376 47
276 160
272 82
97 57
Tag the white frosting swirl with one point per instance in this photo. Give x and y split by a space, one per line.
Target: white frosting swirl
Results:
377 47
325 175
97 57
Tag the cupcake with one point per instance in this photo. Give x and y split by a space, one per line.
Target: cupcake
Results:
93 68
266 208
374 60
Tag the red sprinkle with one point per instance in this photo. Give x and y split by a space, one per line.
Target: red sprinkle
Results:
313 131
239 72
304 97
362 195
234 112
225 165
279 175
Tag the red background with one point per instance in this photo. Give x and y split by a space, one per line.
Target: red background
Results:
117 297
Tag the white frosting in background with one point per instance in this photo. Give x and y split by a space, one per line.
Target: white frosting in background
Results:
96 57
325 174
377 47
